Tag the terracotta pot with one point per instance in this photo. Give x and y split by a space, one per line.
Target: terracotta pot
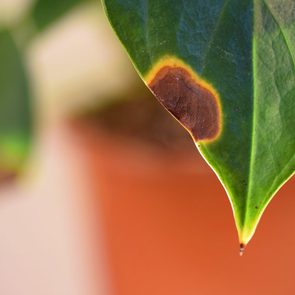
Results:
169 228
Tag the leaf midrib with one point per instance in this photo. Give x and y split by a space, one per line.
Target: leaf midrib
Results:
292 55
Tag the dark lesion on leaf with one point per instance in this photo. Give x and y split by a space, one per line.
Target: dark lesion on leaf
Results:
193 105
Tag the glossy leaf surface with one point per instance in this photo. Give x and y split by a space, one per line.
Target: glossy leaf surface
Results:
15 121
233 60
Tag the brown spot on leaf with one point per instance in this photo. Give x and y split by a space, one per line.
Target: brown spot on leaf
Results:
194 106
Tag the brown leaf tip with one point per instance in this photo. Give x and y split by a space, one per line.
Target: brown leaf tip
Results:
193 104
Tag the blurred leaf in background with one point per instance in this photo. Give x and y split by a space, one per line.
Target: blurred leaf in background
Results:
59 59
15 115
45 12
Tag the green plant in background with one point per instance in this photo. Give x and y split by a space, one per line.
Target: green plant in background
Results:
45 12
16 116
15 124
225 69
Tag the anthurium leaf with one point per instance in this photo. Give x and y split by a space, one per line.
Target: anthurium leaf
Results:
15 123
225 69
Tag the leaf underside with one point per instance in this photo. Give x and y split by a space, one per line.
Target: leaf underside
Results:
242 55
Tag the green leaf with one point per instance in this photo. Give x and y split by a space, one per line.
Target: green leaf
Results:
15 120
226 70
46 12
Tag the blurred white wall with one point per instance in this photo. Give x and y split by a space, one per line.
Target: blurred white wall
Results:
49 243
78 63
